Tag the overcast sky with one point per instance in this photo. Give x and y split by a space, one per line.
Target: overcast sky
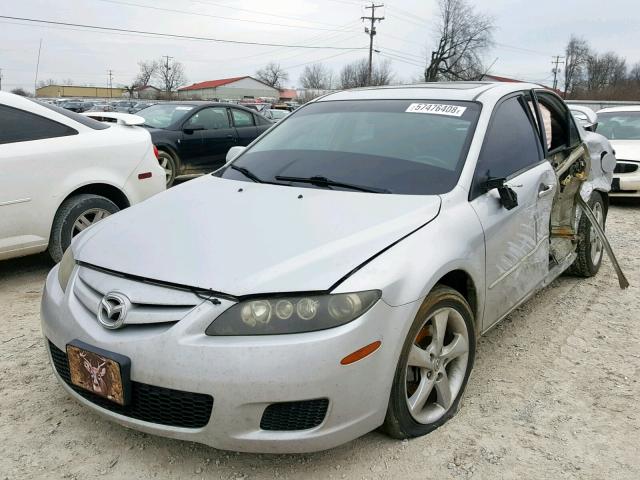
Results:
527 35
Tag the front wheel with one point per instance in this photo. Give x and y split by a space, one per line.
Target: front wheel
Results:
434 366
74 215
590 248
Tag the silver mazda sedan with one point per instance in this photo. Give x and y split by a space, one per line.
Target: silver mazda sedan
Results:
334 276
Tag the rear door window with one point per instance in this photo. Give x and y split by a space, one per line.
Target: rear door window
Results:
242 118
20 126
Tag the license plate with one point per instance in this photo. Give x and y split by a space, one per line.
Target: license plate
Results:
615 185
102 373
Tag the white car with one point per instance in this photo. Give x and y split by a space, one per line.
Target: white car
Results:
334 276
60 172
621 125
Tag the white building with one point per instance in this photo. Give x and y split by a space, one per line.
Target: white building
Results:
237 88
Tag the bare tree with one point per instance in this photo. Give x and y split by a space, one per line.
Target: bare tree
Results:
46 83
20 91
607 70
131 89
463 36
148 70
170 75
634 73
382 74
272 74
577 55
317 77
356 74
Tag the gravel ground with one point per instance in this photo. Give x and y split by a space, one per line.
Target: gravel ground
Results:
554 394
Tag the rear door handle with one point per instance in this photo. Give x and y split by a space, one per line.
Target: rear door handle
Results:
545 189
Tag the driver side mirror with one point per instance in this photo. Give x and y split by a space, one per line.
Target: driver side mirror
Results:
591 127
508 197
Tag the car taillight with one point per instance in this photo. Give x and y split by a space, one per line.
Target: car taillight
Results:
155 152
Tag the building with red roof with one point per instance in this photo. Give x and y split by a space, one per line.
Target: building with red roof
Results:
234 88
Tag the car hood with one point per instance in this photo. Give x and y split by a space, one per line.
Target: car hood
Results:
243 238
627 149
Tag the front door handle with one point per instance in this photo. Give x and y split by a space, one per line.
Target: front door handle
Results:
545 190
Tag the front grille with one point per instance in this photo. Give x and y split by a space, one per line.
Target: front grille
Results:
294 415
626 167
148 402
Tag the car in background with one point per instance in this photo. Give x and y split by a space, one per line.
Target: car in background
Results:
194 137
275 114
141 106
258 107
621 125
74 106
124 106
62 172
334 276
101 107
585 116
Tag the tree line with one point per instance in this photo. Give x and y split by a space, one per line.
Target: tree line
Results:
592 75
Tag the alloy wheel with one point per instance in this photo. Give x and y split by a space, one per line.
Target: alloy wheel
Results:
87 218
436 365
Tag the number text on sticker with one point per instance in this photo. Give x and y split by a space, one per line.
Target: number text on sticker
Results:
436 109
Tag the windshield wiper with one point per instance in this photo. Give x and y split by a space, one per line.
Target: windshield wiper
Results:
326 182
247 173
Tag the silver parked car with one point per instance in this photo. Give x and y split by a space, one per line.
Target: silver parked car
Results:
334 276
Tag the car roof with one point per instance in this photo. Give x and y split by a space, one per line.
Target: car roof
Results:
627 108
460 91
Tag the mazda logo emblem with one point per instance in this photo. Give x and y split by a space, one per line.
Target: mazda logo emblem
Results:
112 310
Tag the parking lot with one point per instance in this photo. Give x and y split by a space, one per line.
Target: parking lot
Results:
553 395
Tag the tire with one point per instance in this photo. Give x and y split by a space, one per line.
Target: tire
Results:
169 163
400 422
74 215
590 249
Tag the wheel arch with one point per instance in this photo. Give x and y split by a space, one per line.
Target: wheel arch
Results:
106 190
461 281
173 151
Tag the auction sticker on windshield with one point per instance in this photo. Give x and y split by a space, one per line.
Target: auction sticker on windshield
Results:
436 109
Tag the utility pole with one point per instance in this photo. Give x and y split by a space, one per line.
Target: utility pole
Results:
35 82
167 75
371 30
558 60
0 79
110 83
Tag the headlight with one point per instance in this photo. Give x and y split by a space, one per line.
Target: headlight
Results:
66 268
295 314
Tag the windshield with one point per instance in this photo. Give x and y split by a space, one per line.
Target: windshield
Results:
619 125
410 147
162 116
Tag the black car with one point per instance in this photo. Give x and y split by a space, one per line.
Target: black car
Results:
194 137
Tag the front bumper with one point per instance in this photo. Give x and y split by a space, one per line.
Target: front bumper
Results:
626 183
244 375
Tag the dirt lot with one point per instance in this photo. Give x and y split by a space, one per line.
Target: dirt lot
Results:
554 394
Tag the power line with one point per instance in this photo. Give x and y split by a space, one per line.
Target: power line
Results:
173 35
372 32
259 12
186 12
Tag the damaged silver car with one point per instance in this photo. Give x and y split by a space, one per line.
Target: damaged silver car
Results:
332 277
